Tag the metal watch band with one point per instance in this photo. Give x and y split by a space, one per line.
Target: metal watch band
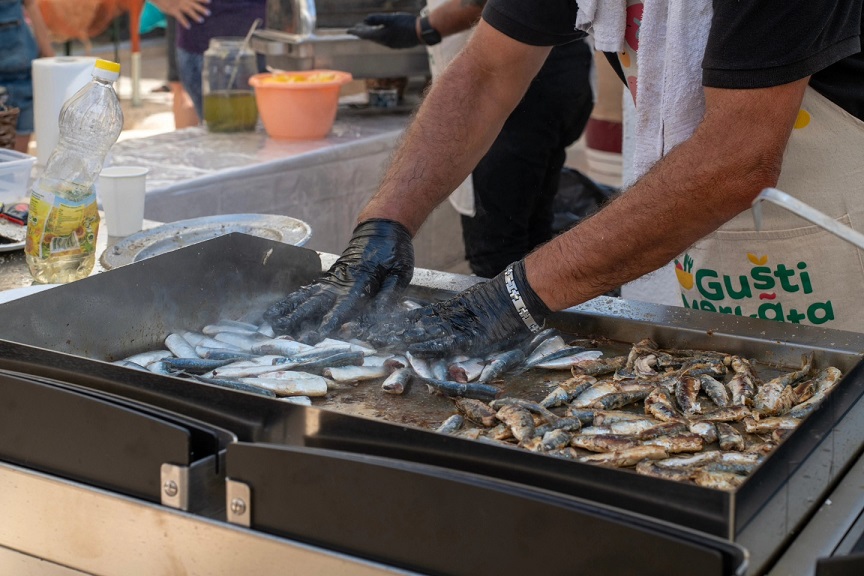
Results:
518 303
428 34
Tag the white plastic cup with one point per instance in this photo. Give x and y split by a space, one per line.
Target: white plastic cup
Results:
121 190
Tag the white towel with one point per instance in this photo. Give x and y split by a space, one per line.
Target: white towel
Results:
440 55
670 102
605 21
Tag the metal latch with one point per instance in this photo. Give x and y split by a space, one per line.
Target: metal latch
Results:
175 486
238 502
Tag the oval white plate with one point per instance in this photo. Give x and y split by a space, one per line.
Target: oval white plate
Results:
174 235
12 246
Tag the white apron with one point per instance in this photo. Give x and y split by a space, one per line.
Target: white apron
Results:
792 271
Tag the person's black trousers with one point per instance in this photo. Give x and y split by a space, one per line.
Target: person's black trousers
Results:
516 181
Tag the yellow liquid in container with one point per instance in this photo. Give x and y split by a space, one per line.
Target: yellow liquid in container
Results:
61 233
230 111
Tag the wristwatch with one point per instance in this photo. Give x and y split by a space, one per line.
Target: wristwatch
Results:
428 34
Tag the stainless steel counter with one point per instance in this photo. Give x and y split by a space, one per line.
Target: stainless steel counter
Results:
323 182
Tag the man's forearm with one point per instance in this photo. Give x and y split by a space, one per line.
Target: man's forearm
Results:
735 152
455 126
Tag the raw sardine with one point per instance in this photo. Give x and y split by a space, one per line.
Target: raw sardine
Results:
194 365
356 373
288 383
246 342
454 389
560 361
145 358
501 363
545 348
396 382
280 345
179 346
465 369
451 424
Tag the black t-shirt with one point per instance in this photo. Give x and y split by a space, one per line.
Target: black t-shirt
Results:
752 43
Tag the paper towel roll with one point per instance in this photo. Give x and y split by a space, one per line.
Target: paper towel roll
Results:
55 80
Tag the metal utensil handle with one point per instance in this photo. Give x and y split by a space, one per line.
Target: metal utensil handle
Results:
243 48
804 211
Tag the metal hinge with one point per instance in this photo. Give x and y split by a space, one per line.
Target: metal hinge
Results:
238 502
175 486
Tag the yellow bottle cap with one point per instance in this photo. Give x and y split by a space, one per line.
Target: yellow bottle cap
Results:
108 66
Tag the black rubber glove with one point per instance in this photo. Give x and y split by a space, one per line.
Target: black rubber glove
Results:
482 319
394 30
378 263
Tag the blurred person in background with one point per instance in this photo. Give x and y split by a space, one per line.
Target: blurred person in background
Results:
20 44
199 21
515 183
182 107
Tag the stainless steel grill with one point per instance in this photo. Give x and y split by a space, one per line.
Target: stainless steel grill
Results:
341 479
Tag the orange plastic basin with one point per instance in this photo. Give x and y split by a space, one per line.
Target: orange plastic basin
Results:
298 105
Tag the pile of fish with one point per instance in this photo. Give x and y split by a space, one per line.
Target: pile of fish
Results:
249 357
688 415
691 416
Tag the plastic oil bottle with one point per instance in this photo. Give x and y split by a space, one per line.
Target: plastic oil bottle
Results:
64 220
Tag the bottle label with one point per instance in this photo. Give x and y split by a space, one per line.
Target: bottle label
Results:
59 226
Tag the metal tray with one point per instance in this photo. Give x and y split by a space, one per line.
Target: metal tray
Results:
167 237
237 273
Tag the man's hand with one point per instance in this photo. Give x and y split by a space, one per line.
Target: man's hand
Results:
184 11
485 318
378 263
394 30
